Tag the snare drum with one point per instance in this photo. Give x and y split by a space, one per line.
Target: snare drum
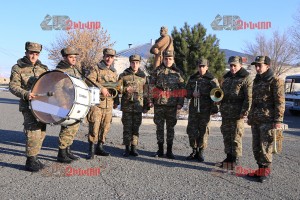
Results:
61 99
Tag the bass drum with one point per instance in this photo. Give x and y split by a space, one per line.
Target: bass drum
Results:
61 99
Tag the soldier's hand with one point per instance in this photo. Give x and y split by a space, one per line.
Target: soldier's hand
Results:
277 126
196 94
115 106
150 105
179 107
129 89
105 92
31 96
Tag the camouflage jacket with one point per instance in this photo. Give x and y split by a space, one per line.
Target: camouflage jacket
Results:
168 85
205 84
69 69
268 99
23 75
237 90
100 74
134 102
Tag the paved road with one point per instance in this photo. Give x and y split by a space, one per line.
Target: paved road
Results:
143 177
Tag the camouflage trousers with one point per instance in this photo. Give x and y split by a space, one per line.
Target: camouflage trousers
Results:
262 143
35 134
198 129
131 124
233 131
99 124
164 114
67 135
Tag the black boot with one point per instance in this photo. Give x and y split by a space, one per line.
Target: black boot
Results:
127 151
226 162
42 166
235 160
100 151
63 157
264 174
71 155
91 153
200 155
160 152
193 155
133 151
169 152
32 164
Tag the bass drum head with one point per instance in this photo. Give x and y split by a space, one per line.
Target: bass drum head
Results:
55 96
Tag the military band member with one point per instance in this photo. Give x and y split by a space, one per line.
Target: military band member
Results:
23 75
266 114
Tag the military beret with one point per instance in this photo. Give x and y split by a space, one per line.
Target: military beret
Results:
109 51
135 57
168 53
235 60
68 51
262 59
31 46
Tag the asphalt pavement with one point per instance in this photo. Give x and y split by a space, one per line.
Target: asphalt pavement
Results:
142 177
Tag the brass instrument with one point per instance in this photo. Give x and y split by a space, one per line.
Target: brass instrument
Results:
216 94
197 100
277 140
115 86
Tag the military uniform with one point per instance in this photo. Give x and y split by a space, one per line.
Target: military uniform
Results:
198 122
23 75
234 106
267 109
132 104
166 79
67 133
100 116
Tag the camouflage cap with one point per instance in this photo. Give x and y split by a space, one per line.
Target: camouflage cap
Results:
203 62
234 60
109 51
262 59
32 46
68 51
135 57
168 53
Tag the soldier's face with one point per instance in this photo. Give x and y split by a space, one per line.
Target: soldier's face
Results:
234 68
71 59
32 56
202 69
168 61
135 65
108 59
261 68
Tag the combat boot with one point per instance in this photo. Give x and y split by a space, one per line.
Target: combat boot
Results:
264 174
42 166
226 162
70 154
160 152
200 155
100 151
91 153
127 151
63 157
133 151
169 152
32 164
193 155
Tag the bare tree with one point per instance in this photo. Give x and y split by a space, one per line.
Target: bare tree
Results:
295 32
279 48
88 42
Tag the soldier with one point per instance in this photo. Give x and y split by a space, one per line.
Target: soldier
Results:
165 42
234 107
266 114
100 116
23 75
169 98
67 133
201 107
132 104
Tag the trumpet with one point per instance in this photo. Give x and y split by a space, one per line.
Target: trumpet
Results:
277 140
216 94
197 100
114 86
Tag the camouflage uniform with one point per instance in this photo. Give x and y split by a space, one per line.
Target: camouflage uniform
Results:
23 75
132 105
100 116
267 109
236 103
198 123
